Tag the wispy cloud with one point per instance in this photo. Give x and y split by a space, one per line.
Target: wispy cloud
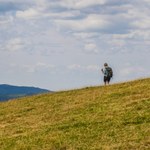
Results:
83 68
12 45
28 14
91 23
124 21
39 67
80 4
91 48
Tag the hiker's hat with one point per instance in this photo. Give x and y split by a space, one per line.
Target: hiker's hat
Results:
105 64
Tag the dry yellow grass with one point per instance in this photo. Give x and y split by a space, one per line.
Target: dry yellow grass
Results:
94 118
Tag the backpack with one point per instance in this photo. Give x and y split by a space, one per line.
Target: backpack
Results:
109 72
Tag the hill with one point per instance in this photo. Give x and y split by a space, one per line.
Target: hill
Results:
115 117
10 92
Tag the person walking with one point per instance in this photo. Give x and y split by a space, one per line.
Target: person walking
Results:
108 73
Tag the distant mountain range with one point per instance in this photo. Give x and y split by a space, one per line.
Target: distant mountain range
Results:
11 92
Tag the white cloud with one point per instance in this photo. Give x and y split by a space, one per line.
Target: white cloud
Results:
92 22
79 4
139 15
92 67
13 45
28 14
91 48
123 36
126 71
133 70
65 14
5 20
117 42
44 65
74 67
83 67
40 66
85 35
147 1
142 23
142 34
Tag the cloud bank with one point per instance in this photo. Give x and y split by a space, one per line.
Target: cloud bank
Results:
75 34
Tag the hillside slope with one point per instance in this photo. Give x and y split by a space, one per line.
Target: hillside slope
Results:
94 118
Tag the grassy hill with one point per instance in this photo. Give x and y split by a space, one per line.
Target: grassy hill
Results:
115 117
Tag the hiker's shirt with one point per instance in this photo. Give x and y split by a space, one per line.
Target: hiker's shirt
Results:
105 72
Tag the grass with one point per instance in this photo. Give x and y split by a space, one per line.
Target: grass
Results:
115 117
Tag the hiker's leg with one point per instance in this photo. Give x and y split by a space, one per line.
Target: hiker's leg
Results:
108 80
105 80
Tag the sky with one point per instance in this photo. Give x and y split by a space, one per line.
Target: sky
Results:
63 44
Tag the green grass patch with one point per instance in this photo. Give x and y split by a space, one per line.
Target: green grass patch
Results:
114 117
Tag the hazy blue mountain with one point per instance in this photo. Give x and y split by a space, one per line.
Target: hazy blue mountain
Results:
10 92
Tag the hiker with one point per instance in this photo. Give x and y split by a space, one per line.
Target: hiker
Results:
108 73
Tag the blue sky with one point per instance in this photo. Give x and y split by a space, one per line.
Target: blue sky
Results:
63 44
